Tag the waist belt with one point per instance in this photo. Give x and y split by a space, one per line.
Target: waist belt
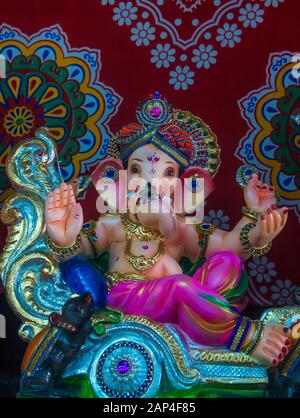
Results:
116 278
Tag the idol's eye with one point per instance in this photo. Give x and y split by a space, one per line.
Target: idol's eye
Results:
135 169
170 172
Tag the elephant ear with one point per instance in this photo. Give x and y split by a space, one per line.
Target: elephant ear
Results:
193 173
190 186
108 168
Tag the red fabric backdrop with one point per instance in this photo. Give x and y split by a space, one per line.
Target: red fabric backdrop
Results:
214 95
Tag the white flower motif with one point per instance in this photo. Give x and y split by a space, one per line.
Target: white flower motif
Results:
142 34
125 13
229 35
204 56
110 2
163 55
274 3
218 219
182 77
283 292
262 269
251 15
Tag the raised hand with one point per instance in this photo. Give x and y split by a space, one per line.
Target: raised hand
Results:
269 225
63 216
259 196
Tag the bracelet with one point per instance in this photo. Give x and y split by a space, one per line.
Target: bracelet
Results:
251 214
239 334
246 244
64 251
250 347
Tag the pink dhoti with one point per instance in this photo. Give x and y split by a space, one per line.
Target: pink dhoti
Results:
196 304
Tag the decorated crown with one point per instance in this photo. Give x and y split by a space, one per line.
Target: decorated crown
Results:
180 134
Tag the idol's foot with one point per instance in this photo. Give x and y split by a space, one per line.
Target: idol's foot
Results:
273 345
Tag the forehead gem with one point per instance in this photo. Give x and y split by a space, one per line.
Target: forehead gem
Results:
153 157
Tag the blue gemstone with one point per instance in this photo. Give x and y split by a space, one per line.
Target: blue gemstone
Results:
194 184
110 173
156 94
123 366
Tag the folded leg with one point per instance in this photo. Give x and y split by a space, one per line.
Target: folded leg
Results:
202 313
223 273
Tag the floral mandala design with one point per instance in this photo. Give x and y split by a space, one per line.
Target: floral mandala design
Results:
265 289
125 13
272 143
198 32
50 84
283 292
163 55
218 219
18 121
261 269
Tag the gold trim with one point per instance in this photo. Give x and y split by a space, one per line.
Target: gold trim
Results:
212 356
27 284
142 263
64 251
18 255
208 326
143 233
182 119
41 349
170 151
239 334
113 278
209 141
169 340
246 243
281 315
249 347
239 380
251 214
17 228
136 143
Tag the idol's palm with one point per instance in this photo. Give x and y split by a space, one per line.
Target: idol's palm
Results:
63 216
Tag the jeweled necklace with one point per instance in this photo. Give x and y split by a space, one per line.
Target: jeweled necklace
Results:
143 233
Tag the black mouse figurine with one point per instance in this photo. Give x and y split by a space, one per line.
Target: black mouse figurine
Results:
57 346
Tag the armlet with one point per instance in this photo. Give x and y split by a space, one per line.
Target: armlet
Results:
89 231
204 231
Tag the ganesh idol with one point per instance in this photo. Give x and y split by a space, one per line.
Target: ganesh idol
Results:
146 248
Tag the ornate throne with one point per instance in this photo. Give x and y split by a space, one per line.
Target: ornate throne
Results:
163 361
